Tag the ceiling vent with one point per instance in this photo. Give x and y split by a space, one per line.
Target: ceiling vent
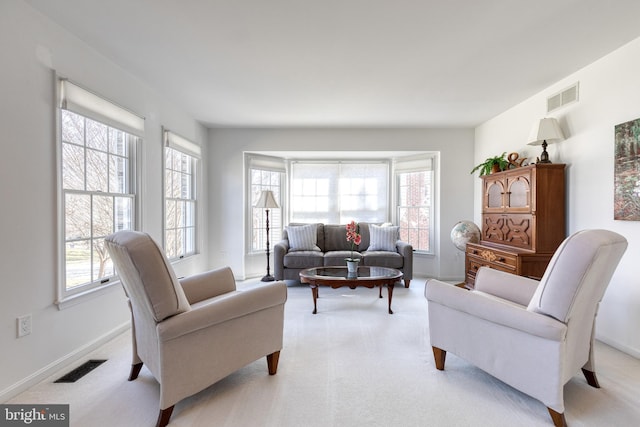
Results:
562 98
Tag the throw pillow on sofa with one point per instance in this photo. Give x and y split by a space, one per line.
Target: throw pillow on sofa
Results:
382 238
303 237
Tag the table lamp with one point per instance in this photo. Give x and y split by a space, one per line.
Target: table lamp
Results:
545 131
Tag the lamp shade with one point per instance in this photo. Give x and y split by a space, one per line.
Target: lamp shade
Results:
267 200
546 129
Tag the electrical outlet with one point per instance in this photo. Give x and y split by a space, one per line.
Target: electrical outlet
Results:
24 325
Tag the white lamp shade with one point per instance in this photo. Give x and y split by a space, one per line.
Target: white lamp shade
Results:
267 200
546 129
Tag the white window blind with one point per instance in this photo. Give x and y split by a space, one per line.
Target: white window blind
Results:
175 141
79 100
338 192
414 163
274 164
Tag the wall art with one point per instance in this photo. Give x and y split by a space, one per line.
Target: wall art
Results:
627 171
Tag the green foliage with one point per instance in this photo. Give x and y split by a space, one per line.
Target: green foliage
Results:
486 166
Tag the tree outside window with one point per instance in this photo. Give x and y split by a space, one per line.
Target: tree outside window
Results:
180 204
98 197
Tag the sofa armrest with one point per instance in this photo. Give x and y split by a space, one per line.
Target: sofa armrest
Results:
509 286
495 310
223 308
406 250
280 249
209 284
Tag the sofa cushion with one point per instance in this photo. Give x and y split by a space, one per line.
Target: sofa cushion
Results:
383 238
335 238
382 259
303 238
363 227
319 228
304 259
337 258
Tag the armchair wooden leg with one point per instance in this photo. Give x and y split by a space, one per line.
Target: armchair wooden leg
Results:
557 418
135 370
439 355
406 283
272 362
591 378
163 417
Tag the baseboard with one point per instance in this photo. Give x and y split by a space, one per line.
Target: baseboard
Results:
53 367
623 348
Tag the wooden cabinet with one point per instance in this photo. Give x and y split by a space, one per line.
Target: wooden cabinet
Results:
523 221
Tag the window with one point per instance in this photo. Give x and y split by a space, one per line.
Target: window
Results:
265 174
337 192
180 163
414 187
97 185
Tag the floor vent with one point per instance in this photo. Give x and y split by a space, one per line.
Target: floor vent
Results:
80 371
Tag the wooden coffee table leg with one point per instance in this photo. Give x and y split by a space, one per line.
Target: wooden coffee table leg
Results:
390 291
381 291
314 292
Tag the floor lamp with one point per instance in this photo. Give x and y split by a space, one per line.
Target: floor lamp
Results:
267 201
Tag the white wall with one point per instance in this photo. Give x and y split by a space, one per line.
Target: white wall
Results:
31 47
227 184
609 95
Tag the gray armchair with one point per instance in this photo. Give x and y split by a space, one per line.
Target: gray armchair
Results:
193 332
534 336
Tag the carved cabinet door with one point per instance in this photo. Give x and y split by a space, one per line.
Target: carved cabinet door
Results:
494 191
518 194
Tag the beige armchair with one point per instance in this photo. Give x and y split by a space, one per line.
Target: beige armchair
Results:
196 331
534 336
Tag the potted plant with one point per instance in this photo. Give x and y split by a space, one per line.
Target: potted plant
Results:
353 236
492 164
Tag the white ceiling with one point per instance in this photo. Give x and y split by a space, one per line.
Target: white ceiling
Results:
447 63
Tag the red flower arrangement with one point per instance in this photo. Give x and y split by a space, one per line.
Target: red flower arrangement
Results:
353 236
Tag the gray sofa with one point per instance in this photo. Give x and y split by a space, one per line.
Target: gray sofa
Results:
334 248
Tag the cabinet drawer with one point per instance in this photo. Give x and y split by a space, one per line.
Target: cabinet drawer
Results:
495 258
476 263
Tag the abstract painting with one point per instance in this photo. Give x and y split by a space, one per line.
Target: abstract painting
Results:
627 171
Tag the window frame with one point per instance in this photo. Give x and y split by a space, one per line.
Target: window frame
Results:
412 164
103 111
273 165
175 142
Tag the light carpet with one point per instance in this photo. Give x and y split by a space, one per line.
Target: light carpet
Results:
352 364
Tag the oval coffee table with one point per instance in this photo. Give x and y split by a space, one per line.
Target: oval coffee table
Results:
337 277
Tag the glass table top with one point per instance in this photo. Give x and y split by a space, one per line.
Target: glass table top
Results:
363 273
